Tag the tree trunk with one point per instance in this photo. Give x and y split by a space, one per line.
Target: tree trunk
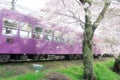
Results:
88 61
88 35
87 48
117 65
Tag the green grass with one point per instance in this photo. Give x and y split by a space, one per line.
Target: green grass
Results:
28 76
74 73
103 71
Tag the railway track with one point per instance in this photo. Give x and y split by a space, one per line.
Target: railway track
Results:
33 61
46 61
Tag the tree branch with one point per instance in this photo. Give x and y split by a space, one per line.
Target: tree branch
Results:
63 3
69 16
68 9
86 1
69 22
73 14
78 19
78 2
82 1
102 14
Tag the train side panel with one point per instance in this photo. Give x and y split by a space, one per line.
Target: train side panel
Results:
18 45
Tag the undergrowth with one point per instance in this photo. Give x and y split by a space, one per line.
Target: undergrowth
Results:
103 71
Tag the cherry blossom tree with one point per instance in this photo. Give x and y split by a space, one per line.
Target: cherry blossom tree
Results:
81 15
110 40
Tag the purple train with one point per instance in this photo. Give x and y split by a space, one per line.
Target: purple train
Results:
23 37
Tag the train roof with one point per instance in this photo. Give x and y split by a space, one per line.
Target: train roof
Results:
11 14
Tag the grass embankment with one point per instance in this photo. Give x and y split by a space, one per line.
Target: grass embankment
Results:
103 72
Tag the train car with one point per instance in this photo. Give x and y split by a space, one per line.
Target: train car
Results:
23 37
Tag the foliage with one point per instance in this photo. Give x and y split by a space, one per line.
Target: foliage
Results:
28 76
103 71
74 72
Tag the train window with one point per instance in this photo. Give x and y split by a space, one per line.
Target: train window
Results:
9 27
48 34
65 38
62 38
57 36
72 38
25 30
38 33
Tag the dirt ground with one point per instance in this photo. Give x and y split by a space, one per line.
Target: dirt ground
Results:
14 69
57 76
